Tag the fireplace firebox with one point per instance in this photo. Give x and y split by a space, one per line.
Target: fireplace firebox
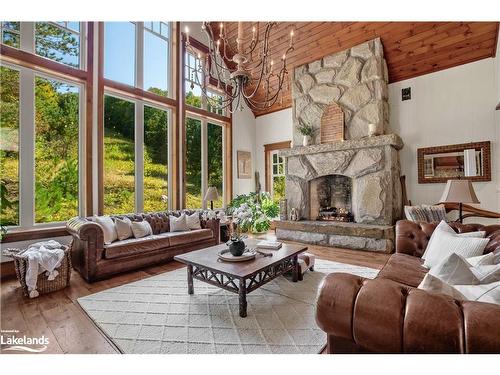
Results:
330 198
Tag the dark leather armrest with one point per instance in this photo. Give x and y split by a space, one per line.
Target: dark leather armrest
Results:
87 247
214 225
384 316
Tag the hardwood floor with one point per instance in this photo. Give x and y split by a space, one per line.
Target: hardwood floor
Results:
58 316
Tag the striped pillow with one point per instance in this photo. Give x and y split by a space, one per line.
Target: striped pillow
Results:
434 213
415 213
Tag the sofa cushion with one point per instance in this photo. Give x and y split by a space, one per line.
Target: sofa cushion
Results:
133 246
181 238
404 269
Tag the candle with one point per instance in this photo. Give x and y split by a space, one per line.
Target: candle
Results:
221 26
291 37
186 30
253 33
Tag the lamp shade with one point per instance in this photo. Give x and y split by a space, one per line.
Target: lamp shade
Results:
459 191
212 194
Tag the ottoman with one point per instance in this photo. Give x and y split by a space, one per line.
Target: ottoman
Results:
306 262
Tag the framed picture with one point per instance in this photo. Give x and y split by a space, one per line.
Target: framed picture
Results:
244 160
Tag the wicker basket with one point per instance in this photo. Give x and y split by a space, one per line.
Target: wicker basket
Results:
43 285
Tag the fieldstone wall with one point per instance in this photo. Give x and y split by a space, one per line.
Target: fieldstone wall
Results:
355 79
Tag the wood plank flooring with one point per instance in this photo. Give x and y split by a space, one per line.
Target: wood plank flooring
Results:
58 316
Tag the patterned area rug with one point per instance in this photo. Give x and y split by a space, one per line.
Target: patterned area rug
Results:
156 315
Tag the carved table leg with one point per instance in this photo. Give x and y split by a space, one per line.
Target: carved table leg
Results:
242 292
190 279
295 272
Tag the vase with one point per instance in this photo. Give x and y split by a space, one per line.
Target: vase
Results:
306 140
236 247
372 130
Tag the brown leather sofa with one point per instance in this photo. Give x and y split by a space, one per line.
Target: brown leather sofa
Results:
95 260
390 315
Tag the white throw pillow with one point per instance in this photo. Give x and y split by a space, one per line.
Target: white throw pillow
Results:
486 274
444 244
178 224
141 229
193 221
483 293
123 228
482 260
108 228
454 270
433 284
444 227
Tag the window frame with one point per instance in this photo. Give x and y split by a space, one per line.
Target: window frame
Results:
269 150
27 144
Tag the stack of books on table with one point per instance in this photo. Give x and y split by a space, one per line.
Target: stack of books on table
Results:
272 245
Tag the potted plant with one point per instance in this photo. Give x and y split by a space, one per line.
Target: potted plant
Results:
253 212
307 132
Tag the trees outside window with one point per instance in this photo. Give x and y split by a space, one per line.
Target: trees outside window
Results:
277 176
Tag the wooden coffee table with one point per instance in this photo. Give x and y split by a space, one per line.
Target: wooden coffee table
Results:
240 277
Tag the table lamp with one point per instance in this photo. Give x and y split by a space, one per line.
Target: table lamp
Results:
459 191
211 195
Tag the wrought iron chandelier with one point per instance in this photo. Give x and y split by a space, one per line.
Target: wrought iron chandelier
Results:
242 68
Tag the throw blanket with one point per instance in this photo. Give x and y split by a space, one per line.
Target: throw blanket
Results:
42 256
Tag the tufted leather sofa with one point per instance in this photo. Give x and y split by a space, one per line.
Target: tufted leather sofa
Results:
95 260
390 315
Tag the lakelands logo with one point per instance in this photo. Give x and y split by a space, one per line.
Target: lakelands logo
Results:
10 342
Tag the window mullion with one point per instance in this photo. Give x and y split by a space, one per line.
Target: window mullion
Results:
27 148
204 161
27 36
139 156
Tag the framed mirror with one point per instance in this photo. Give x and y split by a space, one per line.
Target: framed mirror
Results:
439 164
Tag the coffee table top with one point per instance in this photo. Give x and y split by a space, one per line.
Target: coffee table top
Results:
208 258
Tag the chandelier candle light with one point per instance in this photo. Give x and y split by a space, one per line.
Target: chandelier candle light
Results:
241 70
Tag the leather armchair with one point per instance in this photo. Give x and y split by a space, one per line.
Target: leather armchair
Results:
390 315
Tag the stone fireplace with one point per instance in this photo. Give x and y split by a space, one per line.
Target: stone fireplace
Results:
351 185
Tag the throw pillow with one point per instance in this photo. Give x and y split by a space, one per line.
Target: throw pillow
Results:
444 244
141 229
433 284
123 228
444 227
108 228
483 293
486 274
435 212
482 260
415 213
454 270
178 224
193 221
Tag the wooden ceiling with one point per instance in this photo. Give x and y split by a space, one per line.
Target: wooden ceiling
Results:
411 48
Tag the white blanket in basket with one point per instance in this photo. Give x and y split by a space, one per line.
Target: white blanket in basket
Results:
43 256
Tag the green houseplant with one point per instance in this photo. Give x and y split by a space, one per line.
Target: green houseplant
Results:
253 212
307 131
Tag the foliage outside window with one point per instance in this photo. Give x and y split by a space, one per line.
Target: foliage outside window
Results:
9 146
11 34
56 150
215 160
155 159
193 179
277 176
58 41
119 156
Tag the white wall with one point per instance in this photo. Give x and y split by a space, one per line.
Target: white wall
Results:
455 105
243 140
451 106
272 128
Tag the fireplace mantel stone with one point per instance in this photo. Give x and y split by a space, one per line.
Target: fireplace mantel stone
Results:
393 140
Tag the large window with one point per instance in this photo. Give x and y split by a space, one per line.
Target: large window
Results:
59 41
277 176
156 57
119 52
192 78
156 158
193 182
57 121
215 160
9 146
119 155
11 34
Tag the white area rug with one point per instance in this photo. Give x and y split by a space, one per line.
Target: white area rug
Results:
156 315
